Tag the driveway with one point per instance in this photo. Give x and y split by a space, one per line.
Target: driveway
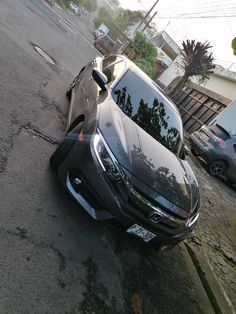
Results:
215 235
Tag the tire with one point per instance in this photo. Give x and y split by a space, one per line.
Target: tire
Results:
65 147
193 151
217 168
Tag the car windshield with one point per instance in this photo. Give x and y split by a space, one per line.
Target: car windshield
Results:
145 105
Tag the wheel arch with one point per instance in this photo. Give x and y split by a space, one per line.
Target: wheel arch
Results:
76 121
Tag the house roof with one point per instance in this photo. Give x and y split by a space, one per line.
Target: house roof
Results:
167 44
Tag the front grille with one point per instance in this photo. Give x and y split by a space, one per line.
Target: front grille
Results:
153 213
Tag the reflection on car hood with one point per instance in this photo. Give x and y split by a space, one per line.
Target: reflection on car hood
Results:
147 159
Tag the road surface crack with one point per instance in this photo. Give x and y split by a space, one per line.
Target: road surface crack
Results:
36 132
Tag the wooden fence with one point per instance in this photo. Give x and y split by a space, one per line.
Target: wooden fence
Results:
198 106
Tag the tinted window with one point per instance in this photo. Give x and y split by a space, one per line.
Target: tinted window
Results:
113 67
234 147
145 105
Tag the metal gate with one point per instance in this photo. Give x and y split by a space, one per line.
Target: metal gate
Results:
198 106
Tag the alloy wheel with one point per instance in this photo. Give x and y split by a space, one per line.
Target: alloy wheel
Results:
217 168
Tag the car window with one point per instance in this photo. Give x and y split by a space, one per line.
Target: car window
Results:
113 67
234 147
152 112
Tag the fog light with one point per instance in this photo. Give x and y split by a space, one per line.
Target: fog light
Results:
77 181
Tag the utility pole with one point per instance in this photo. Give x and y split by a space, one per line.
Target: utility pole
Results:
148 23
146 15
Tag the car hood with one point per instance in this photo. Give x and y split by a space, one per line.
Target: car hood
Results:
147 159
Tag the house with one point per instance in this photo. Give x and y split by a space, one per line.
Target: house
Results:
171 75
168 59
170 69
222 81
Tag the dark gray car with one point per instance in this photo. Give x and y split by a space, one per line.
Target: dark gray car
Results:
216 144
123 156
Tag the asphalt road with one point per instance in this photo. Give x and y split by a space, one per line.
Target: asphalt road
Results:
53 257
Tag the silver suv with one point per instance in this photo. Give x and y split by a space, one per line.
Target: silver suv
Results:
216 145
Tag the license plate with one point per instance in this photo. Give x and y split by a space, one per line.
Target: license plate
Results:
141 232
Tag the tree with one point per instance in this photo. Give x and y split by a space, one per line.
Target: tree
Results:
148 53
121 21
233 45
90 5
197 61
104 16
127 17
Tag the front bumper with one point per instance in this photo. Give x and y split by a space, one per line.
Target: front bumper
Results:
84 179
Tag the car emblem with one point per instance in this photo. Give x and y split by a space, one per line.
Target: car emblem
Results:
154 217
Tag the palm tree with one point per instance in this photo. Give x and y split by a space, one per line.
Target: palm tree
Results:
197 61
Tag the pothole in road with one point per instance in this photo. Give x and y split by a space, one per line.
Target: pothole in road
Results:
44 55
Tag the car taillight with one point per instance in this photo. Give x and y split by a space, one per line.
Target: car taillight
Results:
219 141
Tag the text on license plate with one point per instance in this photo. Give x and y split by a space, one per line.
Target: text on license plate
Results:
141 232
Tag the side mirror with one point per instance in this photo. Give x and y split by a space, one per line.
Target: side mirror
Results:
100 78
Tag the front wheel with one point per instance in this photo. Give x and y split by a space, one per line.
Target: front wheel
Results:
217 168
65 147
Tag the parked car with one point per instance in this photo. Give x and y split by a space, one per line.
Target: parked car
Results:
216 145
123 155
98 34
74 8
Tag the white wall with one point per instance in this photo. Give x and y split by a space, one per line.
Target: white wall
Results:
175 69
221 86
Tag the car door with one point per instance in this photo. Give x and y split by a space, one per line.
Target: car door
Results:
84 94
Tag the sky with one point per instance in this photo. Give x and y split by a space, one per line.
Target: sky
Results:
192 19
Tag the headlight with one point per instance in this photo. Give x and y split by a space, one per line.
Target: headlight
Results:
106 158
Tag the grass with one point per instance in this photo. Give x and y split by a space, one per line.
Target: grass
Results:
62 4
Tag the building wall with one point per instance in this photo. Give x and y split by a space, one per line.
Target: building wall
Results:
222 86
222 82
171 72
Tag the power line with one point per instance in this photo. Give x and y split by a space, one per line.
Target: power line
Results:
209 5
227 11
196 17
207 11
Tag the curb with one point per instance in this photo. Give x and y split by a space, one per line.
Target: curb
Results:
201 294
213 290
